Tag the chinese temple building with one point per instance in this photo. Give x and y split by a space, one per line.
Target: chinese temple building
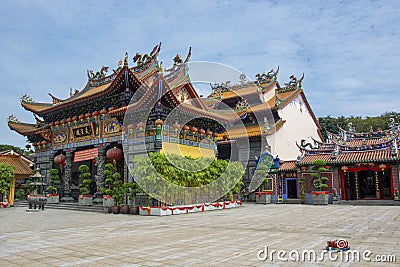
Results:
22 171
274 116
360 166
94 125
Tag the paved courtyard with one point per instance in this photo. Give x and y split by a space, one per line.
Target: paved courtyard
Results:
221 238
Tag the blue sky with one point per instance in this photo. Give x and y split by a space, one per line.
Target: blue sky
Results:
348 50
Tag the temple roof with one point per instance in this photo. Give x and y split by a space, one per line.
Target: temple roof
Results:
252 130
23 128
89 92
22 169
351 157
288 166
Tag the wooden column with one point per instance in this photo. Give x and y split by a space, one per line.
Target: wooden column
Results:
12 191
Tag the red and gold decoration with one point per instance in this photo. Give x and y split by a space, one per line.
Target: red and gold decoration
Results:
60 159
114 154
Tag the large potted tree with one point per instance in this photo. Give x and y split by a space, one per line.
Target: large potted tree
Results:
53 196
108 201
262 196
85 198
302 189
320 195
114 189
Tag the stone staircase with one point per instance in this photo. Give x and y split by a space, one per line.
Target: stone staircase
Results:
66 206
292 201
370 202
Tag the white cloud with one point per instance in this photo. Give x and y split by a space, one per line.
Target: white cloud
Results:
347 50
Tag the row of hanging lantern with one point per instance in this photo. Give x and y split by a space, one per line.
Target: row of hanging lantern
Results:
177 127
75 119
113 153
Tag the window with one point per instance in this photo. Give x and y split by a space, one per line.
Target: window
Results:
268 184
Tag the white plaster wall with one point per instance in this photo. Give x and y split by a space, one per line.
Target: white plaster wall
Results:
299 125
264 97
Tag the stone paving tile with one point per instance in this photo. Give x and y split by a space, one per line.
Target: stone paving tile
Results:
220 238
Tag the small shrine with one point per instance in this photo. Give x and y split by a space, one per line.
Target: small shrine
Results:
359 165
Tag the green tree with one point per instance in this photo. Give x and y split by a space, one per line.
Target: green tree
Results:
186 172
361 124
86 177
54 182
318 182
5 147
6 174
114 186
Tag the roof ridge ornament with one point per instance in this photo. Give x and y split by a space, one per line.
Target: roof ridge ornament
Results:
26 99
125 63
140 59
57 100
267 77
98 75
392 123
12 118
293 84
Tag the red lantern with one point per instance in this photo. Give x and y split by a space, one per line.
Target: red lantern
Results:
75 118
185 128
57 123
51 124
103 112
201 131
60 159
114 154
95 114
88 115
140 125
176 126
158 122
69 120
81 117
209 133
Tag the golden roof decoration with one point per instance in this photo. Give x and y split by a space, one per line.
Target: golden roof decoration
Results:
26 99
267 77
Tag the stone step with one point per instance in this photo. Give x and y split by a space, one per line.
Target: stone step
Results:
66 206
370 202
292 201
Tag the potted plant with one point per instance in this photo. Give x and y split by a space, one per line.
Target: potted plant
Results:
320 195
53 196
114 187
262 196
302 185
118 193
108 201
131 188
85 198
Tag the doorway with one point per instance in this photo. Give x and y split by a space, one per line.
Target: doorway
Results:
291 188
